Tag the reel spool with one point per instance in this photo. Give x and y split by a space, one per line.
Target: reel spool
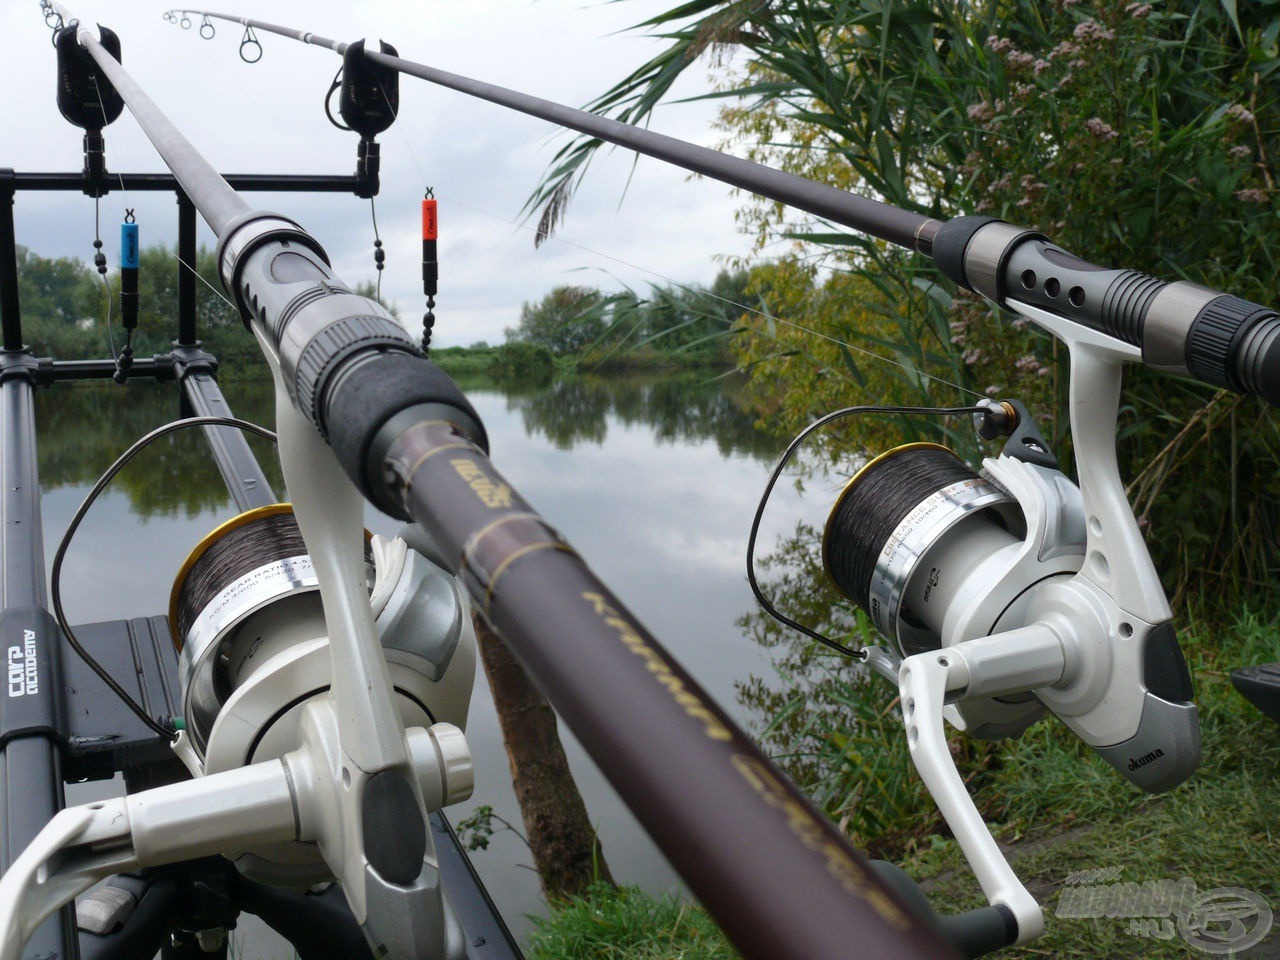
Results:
252 562
909 533
254 650
937 554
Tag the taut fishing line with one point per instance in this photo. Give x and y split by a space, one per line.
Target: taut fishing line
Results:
338 48
55 576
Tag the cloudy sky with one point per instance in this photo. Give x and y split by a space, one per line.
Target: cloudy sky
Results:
481 159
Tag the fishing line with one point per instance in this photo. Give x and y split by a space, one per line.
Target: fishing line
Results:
558 238
100 262
124 196
97 243
379 255
55 576
520 225
725 300
777 473
875 502
267 537
306 37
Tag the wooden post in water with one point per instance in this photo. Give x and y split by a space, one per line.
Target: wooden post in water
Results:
566 850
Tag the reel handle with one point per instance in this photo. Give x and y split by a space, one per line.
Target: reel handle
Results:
925 681
1182 328
973 933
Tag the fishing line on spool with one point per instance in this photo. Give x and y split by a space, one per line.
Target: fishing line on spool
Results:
873 504
270 537
55 576
777 473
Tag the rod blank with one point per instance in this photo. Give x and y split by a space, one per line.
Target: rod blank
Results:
901 227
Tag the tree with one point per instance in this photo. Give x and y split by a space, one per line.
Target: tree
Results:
564 321
566 851
1121 130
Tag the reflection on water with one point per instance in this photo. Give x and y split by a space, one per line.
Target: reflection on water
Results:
82 427
684 408
653 480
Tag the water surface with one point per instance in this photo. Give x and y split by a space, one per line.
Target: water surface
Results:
653 480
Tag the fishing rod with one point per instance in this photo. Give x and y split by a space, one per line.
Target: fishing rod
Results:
1017 590
358 403
1180 327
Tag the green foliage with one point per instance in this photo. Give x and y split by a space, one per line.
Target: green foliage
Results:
564 321
463 361
1141 134
681 319
519 360
477 830
675 324
832 726
624 923
65 304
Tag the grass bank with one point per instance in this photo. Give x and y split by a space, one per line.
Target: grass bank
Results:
524 360
1057 809
624 923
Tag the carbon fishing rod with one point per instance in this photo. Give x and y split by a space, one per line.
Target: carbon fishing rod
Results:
1181 327
778 877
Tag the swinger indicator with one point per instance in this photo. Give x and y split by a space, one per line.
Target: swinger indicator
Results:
129 259
430 267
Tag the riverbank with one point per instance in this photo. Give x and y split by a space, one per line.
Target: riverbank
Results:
522 360
1065 820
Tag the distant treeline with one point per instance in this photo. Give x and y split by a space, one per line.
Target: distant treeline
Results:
673 324
65 305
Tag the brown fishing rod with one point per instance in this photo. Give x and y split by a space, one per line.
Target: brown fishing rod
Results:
901 227
779 879
1182 328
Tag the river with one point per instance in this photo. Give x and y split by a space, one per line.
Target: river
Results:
654 480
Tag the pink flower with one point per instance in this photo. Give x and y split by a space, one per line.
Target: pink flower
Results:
1100 129
1238 111
1240 152
1093 31
1251 195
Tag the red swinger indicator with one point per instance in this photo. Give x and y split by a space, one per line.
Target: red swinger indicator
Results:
430 268
428 219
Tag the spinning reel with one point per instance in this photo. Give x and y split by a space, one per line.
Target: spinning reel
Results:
254 651
1009 591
